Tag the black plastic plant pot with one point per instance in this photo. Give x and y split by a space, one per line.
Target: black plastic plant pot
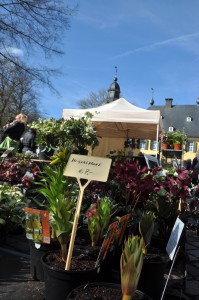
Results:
102 290
152 279
45 155
36 268
59 283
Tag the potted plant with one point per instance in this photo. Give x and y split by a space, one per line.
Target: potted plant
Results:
154 261
130 265
60 193
166 202
175 138
179 139
99 215
12 203
164 141
168 139
50 134
80 133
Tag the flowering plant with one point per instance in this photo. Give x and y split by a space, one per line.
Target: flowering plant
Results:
133 183
98 215
168 200
14 171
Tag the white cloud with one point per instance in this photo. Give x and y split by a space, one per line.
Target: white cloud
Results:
14 51
181 40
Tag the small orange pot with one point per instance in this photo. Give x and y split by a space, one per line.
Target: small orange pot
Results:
177 147
165 146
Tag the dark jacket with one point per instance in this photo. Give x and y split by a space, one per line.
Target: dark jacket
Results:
195 168
28 141
15 130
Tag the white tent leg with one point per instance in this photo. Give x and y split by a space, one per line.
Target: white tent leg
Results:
157 134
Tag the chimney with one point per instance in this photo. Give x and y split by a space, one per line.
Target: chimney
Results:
168 102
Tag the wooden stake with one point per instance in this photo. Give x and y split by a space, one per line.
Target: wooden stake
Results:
75 223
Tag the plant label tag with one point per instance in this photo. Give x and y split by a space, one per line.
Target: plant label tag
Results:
37 225
7 152
119 232
88 167
107 242
174 238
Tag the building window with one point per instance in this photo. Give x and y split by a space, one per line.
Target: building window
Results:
191 146
143 145
154 145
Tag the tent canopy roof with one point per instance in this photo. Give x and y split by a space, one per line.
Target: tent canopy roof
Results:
120 119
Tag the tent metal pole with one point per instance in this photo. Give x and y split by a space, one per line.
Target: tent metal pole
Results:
157 134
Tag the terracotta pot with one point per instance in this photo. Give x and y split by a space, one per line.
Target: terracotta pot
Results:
177 147
165 146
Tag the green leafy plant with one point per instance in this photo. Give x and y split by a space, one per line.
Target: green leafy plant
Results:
80 133
175 137
60 193
179 137
12 203
50 133
131 263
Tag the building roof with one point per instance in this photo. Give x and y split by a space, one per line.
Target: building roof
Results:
182 117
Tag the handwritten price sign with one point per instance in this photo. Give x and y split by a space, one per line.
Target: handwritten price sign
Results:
88 167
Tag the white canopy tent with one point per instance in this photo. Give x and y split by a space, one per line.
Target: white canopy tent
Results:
118 120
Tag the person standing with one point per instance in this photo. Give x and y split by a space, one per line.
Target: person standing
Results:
13 130
27 141
195 169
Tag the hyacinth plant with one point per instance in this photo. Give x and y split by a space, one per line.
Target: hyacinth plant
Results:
131 263
99 215
146 227
60 193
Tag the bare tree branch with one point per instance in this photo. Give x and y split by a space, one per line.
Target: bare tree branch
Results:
94 99
32 26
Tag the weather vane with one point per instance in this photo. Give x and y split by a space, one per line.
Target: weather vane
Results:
115 71
152 100
152 90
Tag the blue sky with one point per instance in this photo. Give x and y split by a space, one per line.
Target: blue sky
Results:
154 44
